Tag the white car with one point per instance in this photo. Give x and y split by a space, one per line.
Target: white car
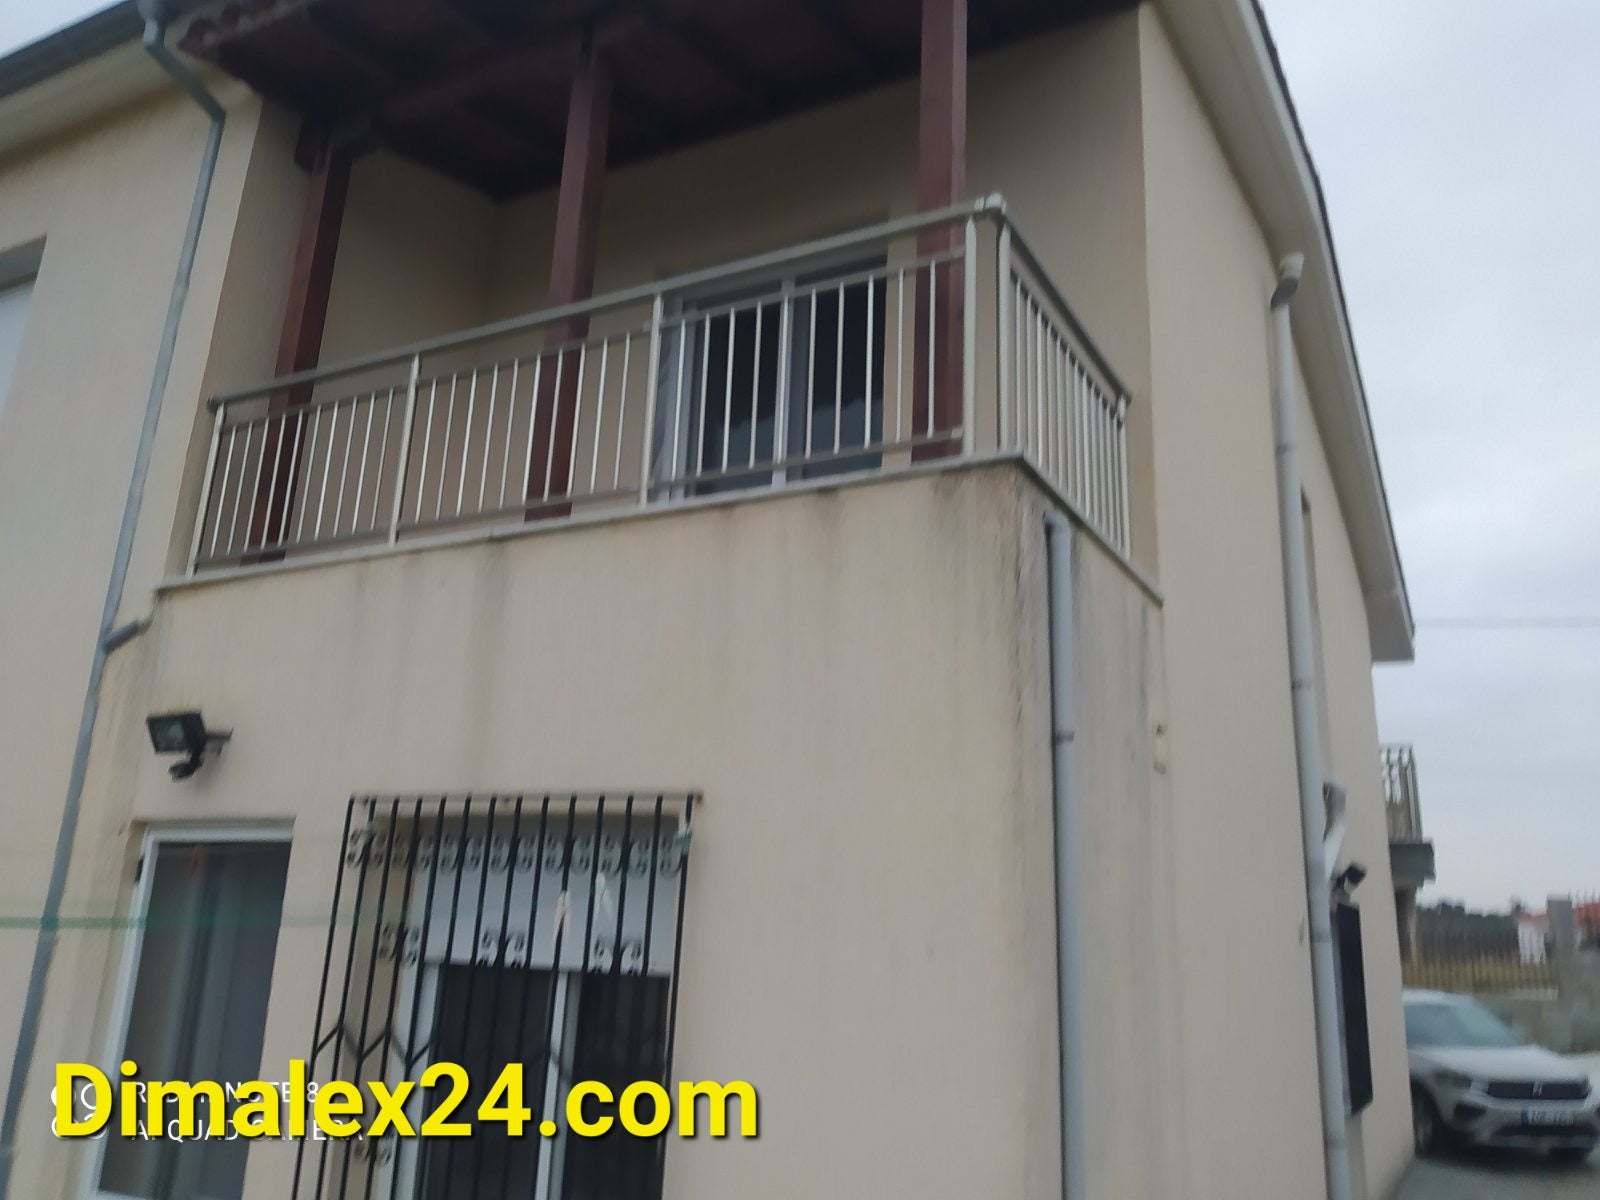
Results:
1475 1081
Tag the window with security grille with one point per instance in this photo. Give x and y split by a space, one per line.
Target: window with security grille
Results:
541 931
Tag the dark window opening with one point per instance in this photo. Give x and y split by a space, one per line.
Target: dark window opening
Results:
758 407
1353 1005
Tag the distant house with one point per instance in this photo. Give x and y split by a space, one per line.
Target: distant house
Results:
1533 930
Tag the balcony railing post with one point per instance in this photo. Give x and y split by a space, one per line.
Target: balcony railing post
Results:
969 336
780 424
652 385
402 464
205 488
1124 517
1002 333
1413 793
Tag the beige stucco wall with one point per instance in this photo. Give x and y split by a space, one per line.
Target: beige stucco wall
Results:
1247 1012
109 202
1136 1126
414 258
870 924
1384 1132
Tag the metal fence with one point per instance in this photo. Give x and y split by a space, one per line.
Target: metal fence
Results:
1462 951
939 334
541 931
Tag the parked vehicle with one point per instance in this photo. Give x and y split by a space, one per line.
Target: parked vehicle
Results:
1475 1081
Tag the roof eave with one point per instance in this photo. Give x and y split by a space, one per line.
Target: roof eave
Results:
1229 52
71 46
78 73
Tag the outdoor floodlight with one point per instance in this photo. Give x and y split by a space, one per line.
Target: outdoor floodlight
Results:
1350 878
183 733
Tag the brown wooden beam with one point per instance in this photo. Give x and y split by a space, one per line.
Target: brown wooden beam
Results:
861 65
941 181
942 104
583 168
837 18
572 267
305 319
464 80
316 247
704 43
637 107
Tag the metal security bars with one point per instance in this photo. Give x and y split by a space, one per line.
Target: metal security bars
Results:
1058 400
482 931
819 359
1401 799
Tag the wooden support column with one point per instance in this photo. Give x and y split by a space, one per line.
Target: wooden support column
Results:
572 264
941 181
304 319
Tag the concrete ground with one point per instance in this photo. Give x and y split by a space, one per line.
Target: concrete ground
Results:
1485 1176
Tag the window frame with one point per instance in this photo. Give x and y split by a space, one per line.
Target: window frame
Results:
132 947
782 287
407 1161
19 269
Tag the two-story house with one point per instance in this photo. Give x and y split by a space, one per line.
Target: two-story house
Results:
780 540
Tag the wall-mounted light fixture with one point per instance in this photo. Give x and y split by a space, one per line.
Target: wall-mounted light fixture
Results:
183 733
1350 878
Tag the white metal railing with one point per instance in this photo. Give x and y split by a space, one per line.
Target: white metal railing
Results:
1401 798
860 352
1059 404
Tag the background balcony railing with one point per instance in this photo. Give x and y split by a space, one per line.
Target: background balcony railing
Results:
932 336
1401 799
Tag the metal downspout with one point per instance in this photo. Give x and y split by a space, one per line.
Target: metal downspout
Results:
108 637
1307 740
1069 950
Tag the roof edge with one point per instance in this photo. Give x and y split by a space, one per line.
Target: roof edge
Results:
1228 49
71 46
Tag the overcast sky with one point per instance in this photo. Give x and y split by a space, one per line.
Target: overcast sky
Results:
1459 145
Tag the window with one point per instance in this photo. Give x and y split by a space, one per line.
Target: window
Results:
604 1026
15 294
1353 1005
1463 1023
778 381
202 971
533 930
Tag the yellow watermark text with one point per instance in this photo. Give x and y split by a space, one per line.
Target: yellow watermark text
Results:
430 1107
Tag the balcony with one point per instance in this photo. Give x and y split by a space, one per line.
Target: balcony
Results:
1410 853
1401 800
809 363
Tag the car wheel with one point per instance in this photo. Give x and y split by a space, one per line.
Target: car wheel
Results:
1427 1128
1570 1154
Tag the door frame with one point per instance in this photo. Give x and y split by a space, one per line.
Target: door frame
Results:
115 1040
